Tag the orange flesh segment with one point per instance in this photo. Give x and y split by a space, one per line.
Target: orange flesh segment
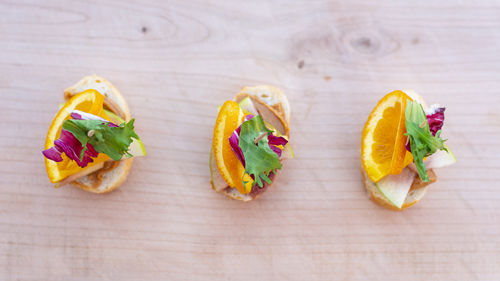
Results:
408 159
383 150
90 101
232 171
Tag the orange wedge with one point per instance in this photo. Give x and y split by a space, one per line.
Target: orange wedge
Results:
90 101
383 150
232 171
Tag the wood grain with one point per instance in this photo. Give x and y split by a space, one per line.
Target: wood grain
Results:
175 61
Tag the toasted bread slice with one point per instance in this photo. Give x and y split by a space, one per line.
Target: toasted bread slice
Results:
111 174
274 108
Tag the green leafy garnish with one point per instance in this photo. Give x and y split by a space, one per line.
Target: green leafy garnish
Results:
422 142
112 141
259 158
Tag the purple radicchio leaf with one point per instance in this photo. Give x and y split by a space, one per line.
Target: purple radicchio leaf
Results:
53 154
68 144
435 118
273 140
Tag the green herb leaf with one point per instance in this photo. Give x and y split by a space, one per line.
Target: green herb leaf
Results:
422 142
112 141
260 160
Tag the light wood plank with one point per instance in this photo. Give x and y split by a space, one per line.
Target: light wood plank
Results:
175 61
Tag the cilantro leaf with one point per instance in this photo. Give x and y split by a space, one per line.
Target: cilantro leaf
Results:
260 159
422 142
110 140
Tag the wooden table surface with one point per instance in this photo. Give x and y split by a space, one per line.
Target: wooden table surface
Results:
175 62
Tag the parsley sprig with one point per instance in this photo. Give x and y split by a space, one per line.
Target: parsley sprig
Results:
112 141
260 160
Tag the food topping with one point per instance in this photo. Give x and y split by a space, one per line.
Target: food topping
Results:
84 135
423 142
254 142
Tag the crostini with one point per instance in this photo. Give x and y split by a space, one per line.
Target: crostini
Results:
250 142
91 141
401 145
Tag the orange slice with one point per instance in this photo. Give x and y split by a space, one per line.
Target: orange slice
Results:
90 101
232 171
383 141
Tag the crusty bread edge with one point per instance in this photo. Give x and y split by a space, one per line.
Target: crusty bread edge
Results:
114 100
268 94
118 179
